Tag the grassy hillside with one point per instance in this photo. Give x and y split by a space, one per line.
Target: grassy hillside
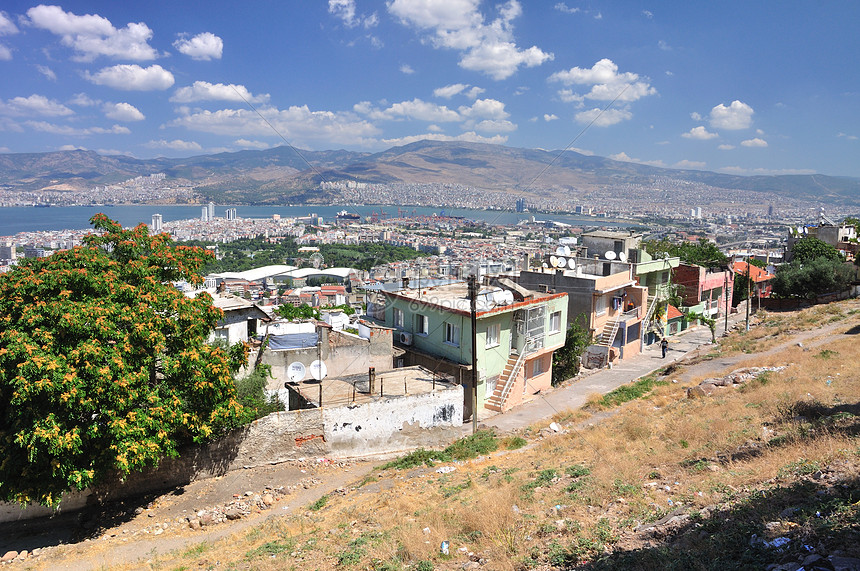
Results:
645 478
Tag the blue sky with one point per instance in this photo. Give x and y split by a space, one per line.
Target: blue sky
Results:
736 87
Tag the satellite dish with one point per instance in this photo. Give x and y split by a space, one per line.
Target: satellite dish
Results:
318 370
296 372
553 261
545 265
622 256
509 297
559 251
610 255
562 262
566 250
571 263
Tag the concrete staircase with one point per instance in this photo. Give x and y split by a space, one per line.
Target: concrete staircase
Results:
608 334
497 400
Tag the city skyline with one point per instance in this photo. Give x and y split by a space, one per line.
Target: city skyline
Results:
733 88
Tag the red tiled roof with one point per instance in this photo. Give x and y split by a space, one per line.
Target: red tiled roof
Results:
672 312
756 274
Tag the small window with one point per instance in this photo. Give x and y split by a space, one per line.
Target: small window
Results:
555 322
422 324
493 334
397 317
537 367
452 334
600 305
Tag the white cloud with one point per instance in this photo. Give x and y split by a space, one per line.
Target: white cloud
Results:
485 108
299 125
700 134
737 115
648 14
34 105
205 91
71 148
695 116
449 91
132 77
245 143
434 128
72 131
92 35
494 126
607 84
562 7
175 145
487 48
406 69
726 147
47 72
345 10
600 118
847 136
685 164
664 46
206 46
470 137
122 112
550 117
475 92
568 96
622 156
7 27
83 100
760 143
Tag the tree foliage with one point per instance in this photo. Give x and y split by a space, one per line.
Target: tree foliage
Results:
566 360
104 368
292 312
702 253
813 278
810 248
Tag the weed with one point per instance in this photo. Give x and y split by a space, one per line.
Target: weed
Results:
801 467
514 443
826 354
474 445
577 471
423 565
271 548
319 504
629 392
449 491
417 458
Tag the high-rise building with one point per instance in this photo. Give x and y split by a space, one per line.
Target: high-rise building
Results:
7 251
156 224
521 205
230 213
204 215
211 211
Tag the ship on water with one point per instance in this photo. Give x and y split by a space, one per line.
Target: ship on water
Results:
345 215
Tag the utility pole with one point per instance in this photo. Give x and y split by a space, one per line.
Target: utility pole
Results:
748 292
726 295
473 310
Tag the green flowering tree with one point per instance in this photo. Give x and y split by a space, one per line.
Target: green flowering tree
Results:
104 365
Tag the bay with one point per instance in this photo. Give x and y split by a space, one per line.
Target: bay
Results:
56 218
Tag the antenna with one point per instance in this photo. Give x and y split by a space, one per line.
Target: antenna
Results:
296 372
571 263
562 262
622 257
610 255
553 261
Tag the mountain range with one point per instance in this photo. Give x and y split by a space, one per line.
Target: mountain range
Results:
287 175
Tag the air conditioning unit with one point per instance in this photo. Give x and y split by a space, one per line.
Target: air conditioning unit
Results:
405 338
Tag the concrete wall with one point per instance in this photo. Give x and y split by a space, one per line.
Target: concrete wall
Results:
393 425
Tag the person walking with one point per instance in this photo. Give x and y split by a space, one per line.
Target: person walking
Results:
664 345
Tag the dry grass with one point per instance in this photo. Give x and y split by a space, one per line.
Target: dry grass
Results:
572 496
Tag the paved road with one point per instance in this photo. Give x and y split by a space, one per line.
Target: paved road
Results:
603 381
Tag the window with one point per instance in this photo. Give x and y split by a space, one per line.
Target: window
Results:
397 317
555 322
493 334
537 367
452 334
422 324
600 305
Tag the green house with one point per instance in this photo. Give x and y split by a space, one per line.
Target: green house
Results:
517 332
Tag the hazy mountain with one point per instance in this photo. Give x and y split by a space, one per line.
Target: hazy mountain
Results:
283 174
